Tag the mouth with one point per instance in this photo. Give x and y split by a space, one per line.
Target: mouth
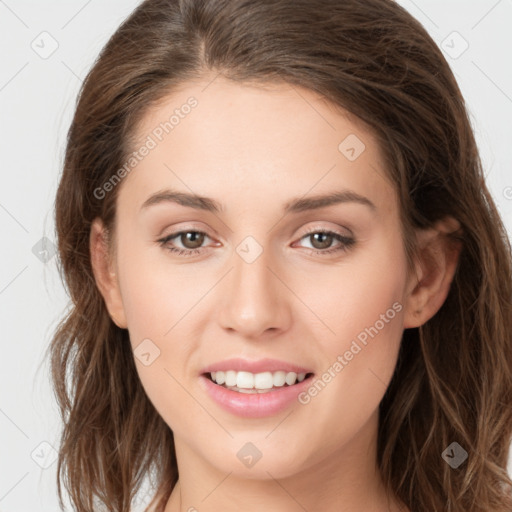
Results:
255 388
256 383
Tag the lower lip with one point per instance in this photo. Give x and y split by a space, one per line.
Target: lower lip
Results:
254 405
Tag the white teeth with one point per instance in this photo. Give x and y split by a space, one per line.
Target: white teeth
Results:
247 382
291 378
279 379
230 378
244 380
263 380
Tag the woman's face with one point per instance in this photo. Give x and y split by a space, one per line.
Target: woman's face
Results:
253 278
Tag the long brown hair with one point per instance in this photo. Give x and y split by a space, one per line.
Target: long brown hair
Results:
453 380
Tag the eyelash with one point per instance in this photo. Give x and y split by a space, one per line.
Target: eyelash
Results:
345 242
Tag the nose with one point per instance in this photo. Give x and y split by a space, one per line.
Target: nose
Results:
255 302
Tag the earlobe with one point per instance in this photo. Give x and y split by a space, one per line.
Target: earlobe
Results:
104 274
436 264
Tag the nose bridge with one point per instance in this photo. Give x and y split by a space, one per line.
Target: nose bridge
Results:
254 301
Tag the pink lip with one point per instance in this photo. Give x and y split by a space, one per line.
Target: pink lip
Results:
257 405
261 365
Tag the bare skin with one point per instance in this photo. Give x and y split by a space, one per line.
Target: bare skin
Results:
253 150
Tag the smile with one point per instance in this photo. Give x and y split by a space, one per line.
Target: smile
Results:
254 388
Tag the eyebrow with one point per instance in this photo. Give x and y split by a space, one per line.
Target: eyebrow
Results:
294 206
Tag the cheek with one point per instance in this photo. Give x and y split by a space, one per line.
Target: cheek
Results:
160 301
156 294
365 348
365 311
361 297
373 311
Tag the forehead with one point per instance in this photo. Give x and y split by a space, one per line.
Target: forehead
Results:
215 137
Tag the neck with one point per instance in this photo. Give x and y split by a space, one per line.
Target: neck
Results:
345 480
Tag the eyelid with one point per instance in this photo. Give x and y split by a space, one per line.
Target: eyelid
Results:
337 230
184 226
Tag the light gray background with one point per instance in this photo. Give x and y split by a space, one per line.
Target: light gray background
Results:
37 96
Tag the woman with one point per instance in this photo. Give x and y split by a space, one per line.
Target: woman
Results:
291 286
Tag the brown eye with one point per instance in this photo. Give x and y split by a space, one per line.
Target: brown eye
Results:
192 239
185 243
321 240
327 242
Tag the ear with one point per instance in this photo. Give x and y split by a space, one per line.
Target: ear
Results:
435 266
106 278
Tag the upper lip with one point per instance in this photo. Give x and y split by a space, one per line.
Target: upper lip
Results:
255 366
